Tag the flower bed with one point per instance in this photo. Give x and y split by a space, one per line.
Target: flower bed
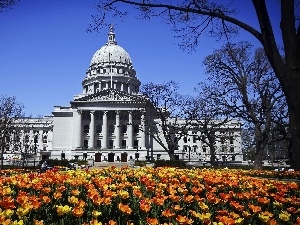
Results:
146 196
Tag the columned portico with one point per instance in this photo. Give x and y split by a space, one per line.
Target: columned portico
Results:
92 130
104 130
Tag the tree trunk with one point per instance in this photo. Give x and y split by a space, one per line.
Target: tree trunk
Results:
172 156
212 155
258 159
294 125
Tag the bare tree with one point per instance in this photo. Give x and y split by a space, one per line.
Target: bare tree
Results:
165 114
7 4
10 110
253 92
190 18
212 119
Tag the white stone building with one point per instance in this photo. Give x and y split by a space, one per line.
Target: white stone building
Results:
101 119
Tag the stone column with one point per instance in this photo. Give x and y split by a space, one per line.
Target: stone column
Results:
104 130
130 131
118 130
79 129
92 130
143 131
106 85
122 86
128 89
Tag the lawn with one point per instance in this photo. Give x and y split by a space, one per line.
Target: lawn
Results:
148 196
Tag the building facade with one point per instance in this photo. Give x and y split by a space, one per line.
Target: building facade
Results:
100 123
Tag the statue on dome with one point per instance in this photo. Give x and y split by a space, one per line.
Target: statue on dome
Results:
111 28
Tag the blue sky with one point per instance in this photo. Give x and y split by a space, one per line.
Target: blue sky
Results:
45 51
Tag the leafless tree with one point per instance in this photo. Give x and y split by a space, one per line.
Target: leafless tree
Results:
165 114
253 91
212 119
10 110
191 18
7 4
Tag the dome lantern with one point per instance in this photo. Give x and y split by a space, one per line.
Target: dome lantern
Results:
111 36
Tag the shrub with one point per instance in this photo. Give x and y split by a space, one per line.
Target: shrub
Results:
170 163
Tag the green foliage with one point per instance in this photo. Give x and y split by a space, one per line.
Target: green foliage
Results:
170 163
140 163
64 162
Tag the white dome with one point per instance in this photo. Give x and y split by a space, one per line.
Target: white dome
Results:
111 67
111 53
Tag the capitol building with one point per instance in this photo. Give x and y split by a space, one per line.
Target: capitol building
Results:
101 123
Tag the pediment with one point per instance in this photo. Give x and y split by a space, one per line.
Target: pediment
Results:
111 95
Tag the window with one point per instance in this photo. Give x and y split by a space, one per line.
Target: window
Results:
85 143
231 140
223 148
204 149
123 116
98 144
135 129
185 139
194 139
110 143
231 149
45 139
111 128
123 143
222 140
98 115
136 143
35 139
98 128
111 116
86 129
86 115
123 129
233 158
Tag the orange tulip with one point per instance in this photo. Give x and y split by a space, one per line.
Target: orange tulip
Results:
167 213
263 200
57 195
254 208
95 222
183 220
225 220
38 222
124 208
77 211
75 192
145 207
152 221
112 222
